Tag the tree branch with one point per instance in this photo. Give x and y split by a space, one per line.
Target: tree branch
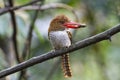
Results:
5 10
14 35
106 35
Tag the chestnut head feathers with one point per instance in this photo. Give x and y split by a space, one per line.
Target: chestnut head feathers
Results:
57 24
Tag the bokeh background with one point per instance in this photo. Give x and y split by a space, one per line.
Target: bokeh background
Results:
100 61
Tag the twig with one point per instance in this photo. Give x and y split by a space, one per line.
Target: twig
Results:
14 35
26 50
78 45
23 75
52 6
5 10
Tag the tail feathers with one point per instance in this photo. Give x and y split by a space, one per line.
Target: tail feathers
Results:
66 65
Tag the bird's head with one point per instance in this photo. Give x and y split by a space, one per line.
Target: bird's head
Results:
62 22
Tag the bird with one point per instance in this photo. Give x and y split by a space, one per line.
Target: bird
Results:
60 37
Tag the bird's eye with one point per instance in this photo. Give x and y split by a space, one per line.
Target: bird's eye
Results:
61 22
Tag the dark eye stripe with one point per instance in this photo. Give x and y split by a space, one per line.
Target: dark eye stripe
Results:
62 22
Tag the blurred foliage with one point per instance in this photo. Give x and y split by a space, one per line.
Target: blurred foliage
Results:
100 61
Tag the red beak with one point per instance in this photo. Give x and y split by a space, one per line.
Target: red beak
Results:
73 25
